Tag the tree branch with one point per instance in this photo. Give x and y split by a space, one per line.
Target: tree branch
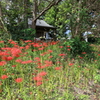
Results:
47 8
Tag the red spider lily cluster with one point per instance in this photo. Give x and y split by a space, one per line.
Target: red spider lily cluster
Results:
15 57
15 54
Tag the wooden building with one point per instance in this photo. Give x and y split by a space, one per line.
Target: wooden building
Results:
42 28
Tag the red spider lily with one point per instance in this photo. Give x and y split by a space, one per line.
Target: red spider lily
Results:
98 54
43 54
16 46
43 73
60 46
4 77
48 62
12 42
38 78
15 52
30 92
38 83
68 49
50 51
27 41
21 47
7 58
3 53
54 43
36 45
41 48
0 83
68 46
58 68
27 47
1 41
81 57
6 49
18 80
44 44
83 52
70 64
2 63
18 60
13 65
62 54
37 59
50 57
26 62
42 66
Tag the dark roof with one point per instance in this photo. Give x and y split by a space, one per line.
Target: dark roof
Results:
42 23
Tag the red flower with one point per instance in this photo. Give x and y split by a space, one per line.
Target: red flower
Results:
37 59
68 46
2 63
7 58
41 48
81 57
15 52
50 57
1 41
98 54
83 52
13 65
0 83
43 73
19 60
79 66
62 54
42 66
38 83
70 64
60 46
36 45
4 77
27 41
26 62
58 68
68 49
50 51
37 78
18 80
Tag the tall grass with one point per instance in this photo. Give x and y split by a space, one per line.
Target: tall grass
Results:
43 71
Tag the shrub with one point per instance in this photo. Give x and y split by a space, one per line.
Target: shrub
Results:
77 47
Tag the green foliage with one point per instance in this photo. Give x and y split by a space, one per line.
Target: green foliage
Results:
83 97
29 34
77 46
97 78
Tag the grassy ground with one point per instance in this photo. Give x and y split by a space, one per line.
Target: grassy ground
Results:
44 71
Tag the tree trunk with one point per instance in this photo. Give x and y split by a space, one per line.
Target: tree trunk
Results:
35 10
3 30
26 13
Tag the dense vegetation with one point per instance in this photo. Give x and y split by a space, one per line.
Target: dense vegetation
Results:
78 15
41 70
49 70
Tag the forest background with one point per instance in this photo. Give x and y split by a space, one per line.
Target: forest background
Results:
78 15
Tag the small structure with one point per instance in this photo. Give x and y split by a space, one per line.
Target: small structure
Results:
42 28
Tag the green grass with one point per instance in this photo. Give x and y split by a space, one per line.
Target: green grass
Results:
44 71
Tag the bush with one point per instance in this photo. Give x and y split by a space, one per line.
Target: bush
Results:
77 47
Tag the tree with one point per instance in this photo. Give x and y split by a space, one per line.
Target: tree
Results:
3 28
38 12
75 14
